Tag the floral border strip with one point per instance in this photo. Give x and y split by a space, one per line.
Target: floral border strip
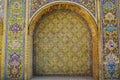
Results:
109 25
15 40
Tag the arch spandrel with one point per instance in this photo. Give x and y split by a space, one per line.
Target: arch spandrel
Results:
66 6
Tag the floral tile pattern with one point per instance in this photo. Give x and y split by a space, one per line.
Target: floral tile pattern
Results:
110 26
62 45
15 39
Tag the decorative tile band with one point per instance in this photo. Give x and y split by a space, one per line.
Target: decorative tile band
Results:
109 24
89 4
15 40
1 29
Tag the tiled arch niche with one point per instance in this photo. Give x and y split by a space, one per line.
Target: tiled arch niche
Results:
61 6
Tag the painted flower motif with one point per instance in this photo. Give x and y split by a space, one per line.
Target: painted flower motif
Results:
111 65
14 60
16 5
110 45
109 16
110 29
14 65
109 6
15 44
15 28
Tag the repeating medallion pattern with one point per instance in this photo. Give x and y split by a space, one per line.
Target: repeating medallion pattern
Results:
62 45
15 36
109 16
89 4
